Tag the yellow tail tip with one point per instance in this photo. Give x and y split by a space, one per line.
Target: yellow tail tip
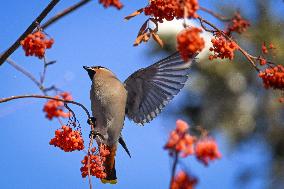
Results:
109 181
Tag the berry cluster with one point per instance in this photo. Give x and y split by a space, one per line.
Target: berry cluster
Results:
67 139
170 9
189 42
238 24
273 77
36 43
54 108
222 48
187 8
265 49
262 61
161 9
180 140
206 150
96 162
183 181
108 3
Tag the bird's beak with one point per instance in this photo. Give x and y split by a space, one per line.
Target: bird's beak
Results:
90 71
87 68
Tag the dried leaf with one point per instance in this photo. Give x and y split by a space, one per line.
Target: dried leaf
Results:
156 24
143 28
157 39
146 37
134 14
139 39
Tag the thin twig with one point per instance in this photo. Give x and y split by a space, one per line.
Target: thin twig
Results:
65 102
205 28
52 87
30 29
173 173
31 77
47 97
64 13
89 165
90 121
216 15
25 72
44 26
42 77
245 53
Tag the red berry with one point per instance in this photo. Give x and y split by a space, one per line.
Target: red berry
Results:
189 42
67 139
36 43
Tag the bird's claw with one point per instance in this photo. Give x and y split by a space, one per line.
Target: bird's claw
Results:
92 121
94 134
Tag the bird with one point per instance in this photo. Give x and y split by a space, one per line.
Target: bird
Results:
141 97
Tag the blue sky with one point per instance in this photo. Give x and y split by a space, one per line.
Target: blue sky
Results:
90 36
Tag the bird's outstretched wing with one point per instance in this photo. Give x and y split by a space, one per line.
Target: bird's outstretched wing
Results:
150 89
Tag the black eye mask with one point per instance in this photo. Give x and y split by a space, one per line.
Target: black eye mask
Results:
90 70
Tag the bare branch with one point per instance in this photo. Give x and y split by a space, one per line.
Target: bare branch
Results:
216 15
64 13
245 53
25 72
49 97
45 25
42 77
33 25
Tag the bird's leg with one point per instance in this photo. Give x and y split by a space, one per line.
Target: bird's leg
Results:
94 134
92 120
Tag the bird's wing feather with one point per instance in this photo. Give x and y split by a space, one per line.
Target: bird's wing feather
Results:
150 89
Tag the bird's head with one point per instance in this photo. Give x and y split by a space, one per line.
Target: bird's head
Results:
97 70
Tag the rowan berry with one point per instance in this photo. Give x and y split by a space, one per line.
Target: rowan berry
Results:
206 149
36 43
67 139
189 42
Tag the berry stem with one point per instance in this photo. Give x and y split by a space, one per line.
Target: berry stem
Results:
45 64
216 15
173 173
244 52
89 155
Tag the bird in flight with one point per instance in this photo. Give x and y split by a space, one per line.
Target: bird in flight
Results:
141 97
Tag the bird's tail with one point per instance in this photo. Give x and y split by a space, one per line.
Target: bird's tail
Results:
110 166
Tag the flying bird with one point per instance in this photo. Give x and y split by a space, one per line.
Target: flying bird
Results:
141 97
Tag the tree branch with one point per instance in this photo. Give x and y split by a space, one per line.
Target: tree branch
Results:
48 97
244 52
216 15
64 13
33 25
49 22
25 72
